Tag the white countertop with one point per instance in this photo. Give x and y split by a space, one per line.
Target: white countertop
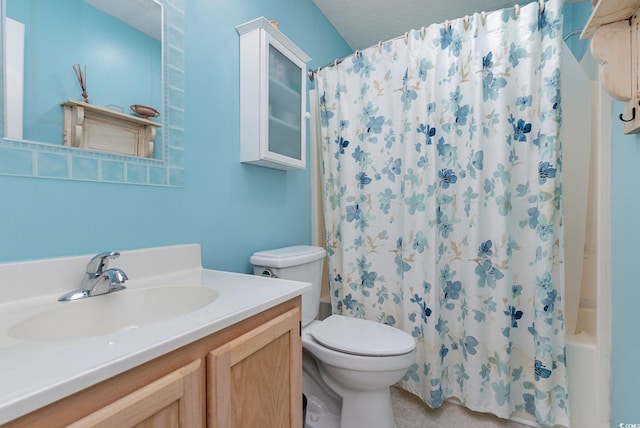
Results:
34 374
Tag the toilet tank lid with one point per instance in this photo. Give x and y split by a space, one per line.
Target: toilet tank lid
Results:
288 256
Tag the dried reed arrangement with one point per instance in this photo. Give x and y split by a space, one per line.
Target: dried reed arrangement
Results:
81 75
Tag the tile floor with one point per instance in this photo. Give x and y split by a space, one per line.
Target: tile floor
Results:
410 412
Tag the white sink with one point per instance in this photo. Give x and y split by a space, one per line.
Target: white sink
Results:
112 312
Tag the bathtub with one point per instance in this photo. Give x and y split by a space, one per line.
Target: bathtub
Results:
587 244
585 389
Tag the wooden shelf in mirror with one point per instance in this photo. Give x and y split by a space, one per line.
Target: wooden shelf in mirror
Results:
98 128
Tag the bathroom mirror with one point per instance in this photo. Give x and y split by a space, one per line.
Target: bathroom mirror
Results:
153 75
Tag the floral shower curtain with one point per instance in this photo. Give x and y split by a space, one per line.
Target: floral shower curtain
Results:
443 205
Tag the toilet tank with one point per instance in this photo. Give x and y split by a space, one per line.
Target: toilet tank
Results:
298 263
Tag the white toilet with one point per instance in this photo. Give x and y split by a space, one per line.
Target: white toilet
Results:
348 363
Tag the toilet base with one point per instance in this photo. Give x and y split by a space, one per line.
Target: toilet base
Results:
319 417
371 409
323 405
364 408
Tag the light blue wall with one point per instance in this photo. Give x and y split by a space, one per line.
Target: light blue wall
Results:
575 17
625 206
625 236
231 209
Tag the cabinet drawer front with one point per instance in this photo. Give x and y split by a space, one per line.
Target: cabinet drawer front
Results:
173 400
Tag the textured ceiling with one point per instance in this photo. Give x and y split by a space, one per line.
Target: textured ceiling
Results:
363 23
144 15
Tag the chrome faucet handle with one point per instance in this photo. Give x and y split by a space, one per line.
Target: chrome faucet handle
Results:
108 281
99 262
116 276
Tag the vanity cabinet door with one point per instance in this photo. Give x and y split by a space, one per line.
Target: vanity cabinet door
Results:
255 380
175 400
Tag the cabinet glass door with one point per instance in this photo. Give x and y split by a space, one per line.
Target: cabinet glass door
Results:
285 106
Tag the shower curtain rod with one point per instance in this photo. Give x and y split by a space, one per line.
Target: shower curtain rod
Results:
571 34
311 73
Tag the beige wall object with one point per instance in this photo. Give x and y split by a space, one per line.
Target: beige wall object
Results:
91 127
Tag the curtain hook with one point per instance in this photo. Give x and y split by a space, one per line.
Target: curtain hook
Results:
447 26
423 31
406 38
541 5
516 11
483 17
379 47
357 54
465 20
335 63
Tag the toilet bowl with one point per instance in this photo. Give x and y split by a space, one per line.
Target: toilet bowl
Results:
361 369
348 363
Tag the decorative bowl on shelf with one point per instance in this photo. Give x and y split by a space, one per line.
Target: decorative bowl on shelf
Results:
144 111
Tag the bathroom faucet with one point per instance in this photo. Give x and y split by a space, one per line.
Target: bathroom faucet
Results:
98 279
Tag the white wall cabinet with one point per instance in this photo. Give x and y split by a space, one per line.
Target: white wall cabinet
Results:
272 97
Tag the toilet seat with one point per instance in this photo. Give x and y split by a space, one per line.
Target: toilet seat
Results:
362 337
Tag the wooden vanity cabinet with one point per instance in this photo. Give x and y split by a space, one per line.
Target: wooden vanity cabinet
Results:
255 380
248 374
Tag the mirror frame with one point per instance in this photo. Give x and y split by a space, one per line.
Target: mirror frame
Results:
53 161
